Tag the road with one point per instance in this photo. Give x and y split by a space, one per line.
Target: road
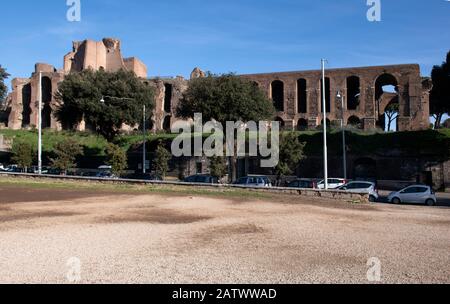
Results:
65 236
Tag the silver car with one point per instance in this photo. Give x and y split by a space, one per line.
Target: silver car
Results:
362 187
416 194
254 181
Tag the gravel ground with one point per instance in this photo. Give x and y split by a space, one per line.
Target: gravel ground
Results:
159 239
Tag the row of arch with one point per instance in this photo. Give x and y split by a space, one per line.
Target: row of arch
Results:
353 95
47 96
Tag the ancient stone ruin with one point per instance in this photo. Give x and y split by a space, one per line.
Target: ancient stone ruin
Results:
367 92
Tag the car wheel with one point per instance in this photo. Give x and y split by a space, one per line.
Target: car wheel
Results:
430 202
372 199
396 201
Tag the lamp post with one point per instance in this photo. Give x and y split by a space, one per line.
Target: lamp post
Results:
40 126
144 118
344 145
325 148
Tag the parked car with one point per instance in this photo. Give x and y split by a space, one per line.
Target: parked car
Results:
303 183
254 181
333 183
201 179
416 194
146 176
362 187
106 174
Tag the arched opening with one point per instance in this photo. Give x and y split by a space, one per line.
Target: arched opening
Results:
277 89
281 121
365 169
327 94
328 124
46 102
355 122
302 96
168 98
353 92
26 102
302 125
167 123
387 102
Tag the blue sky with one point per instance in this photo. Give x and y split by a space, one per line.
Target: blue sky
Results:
243 36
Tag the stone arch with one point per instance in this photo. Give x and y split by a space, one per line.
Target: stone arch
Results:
302 96
302 124
26 102
355 122
386 96
168 98
365 168
328 123
281 121
327 94
353 92
46 102
277 93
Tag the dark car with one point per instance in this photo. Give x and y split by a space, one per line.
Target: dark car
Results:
201 179
303 184
146 177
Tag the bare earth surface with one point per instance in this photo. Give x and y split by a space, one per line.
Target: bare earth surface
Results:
160 239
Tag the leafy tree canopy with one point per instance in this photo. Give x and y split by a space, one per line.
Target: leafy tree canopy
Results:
291 153
22 154
66 153
161 161
225 98
117 159
3 89
440 94
123 92
218 166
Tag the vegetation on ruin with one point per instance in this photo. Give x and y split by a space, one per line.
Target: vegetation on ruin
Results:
434 143
123 93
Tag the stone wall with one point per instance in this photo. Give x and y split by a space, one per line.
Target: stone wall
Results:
362 90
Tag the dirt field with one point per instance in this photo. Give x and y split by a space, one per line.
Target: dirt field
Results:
99 237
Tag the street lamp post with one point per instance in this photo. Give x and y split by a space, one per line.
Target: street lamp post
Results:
344 145
40 126
325 148
144 148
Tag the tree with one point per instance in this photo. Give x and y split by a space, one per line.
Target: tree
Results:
392 113
3 88
440 94
66 153
225 98
291 153
117 159
161 161
22 154
123 92
218 167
